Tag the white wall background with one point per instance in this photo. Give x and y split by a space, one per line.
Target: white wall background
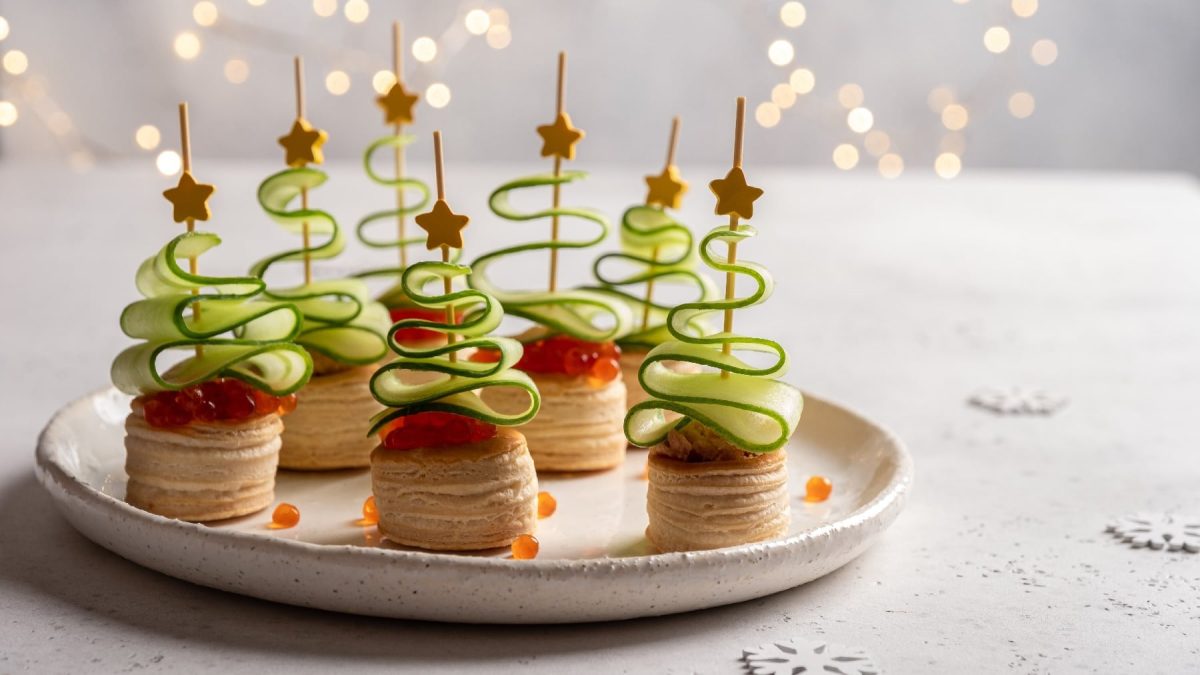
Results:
1123 93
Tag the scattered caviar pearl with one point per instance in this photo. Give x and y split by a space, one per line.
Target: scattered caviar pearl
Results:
817 489
370 511
285 515
525 547
547 504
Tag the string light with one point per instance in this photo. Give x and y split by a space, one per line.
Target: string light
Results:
205 13
961 2
850 95
767 114
1021 104
147 137
802 80
939 98
356 11
477 22
3 28
792 14
498 36
1024 8
337 82
187 45
947 165
498 17
237 71
424 49
382 81
954 117
1044 52
168 162
996 39
256 3
781 52
437 95
891 165
783 96
15 62
860 120
325 8
8 114
877 142
845 156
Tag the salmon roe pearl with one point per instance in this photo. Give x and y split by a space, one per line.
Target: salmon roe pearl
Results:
817 489
370 511
525 547
547 505
286 515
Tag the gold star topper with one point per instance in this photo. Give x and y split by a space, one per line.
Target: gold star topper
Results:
190 199
666 189
734 196
443 225
559 138
397 104
302 145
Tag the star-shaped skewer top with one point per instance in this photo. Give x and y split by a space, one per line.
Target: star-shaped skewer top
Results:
559 138
666 189
397 104
443 225
734 196
302 145
190 199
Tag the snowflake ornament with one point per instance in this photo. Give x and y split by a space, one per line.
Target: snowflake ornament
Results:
1158 530
814 657
1017 401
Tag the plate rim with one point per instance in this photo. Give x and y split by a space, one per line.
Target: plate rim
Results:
50 469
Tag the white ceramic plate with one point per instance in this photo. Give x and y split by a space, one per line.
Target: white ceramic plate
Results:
594 563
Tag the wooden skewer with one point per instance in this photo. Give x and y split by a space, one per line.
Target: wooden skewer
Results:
731 277
562 81
447 284
397 65
304 230
185 142
654 253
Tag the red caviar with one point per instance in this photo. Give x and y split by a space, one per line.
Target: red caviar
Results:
433 430
285 515
547 505
564 354
817 489
525 547
419 334
370 511
224 399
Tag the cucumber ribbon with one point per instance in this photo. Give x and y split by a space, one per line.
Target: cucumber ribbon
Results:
456 384
644 230
393 296
260 351
751 408
581 313
339 318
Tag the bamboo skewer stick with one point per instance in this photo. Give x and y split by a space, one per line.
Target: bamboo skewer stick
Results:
397 66
561 88
447 283
731 277
185 142
305 233
671 145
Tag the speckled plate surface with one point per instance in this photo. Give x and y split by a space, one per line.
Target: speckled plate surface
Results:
594 564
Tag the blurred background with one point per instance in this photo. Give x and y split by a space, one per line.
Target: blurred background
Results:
885 87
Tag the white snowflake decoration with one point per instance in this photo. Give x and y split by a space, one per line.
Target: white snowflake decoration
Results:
807 656
1017 401
1158 530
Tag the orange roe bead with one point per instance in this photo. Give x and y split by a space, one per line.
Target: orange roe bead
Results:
370 511
603 371
817 489
285 515
525 547
547 505
287 404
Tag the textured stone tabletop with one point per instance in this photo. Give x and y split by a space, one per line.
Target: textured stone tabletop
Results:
900 299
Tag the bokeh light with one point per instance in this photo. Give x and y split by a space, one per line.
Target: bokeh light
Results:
15 62
802 80
438 95
767 114
499 36
1044 52
891 165
940 97
792 14
187 45
996 39
325 8
3 28
337 82
781 52
205 13
955 117
947 165
1024 8
1021 104
356 11
424 49
147 137
860 120
877 142
168 162
237 71
850 95
783 96
8 114
382 81
477 22
845 156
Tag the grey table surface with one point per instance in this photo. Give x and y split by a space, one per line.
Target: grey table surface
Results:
898 298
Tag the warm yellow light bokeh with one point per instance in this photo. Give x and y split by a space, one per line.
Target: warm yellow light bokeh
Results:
3 28
877 142
781 52
802 80
237 71
256 3
947 165
845 156
477 22
1024 8
860 120
792 14
955 117
1021 104
767 114
891 165
382 81
940 97
187 45
783 96
147 137
499 36
996 39
438 95
356 11
498 17
337 82
325 8
424 49
15 62
168 162
1044 52
205 13
8 114
850 95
